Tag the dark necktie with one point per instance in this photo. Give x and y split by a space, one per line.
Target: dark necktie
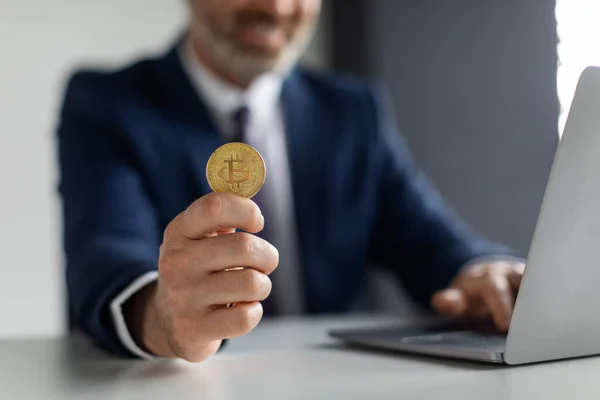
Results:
241 119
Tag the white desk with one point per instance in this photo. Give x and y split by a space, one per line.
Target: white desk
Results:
291 359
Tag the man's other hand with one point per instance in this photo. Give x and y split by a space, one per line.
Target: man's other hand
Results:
185 314
487 288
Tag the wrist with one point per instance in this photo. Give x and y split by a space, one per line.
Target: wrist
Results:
141 317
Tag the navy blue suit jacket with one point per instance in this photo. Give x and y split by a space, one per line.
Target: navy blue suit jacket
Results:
133 146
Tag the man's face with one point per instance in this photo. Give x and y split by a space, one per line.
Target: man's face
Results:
251 37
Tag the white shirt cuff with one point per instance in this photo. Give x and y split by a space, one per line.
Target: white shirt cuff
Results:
117 313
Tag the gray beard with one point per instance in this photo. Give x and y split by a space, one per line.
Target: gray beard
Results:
247 67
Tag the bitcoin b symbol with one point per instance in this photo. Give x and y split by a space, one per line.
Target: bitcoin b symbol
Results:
236 172
236 168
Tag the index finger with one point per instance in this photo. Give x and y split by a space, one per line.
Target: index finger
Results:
499 298
218 211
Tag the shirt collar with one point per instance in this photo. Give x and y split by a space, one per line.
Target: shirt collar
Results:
261 98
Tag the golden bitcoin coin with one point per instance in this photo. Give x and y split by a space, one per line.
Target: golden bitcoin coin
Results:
236 168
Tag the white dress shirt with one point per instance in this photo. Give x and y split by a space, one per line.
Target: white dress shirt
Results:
266 133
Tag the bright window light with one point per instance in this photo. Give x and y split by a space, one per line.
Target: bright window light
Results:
579 46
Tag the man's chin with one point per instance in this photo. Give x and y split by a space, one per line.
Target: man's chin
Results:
266 53
263 60
249 62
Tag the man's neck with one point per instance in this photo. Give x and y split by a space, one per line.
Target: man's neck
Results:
226 76
223 97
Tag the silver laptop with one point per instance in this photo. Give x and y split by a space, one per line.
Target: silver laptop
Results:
557 311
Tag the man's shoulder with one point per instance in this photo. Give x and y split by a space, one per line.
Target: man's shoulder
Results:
95 84
348 96
337 84
342 91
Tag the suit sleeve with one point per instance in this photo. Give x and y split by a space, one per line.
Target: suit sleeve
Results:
417 234
111 233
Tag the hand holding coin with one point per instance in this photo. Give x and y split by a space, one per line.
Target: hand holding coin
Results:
183 314
236 168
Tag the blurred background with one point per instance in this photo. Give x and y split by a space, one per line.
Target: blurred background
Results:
481 90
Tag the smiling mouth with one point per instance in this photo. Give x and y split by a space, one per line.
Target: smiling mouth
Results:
264 37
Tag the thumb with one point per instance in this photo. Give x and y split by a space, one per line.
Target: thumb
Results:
450 302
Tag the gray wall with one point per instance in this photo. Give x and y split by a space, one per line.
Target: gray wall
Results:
474 85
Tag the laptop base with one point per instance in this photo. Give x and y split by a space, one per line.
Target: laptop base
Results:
474 340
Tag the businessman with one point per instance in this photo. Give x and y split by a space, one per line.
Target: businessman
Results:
147 244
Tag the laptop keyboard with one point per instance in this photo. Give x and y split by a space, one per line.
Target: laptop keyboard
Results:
466 339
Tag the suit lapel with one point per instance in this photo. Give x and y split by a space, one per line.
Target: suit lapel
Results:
189 117
306 129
